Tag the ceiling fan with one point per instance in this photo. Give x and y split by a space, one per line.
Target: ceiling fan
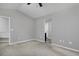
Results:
40 4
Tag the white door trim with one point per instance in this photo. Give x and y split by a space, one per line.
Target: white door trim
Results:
9 25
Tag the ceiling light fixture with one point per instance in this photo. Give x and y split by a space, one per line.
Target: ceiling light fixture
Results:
40 4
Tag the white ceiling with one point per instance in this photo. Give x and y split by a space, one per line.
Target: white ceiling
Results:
9 5
34 11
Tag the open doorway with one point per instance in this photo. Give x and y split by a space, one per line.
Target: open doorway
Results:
48 30
4 29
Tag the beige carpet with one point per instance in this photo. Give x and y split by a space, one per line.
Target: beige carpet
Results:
33 48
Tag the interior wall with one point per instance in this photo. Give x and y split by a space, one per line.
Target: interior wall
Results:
65 27
40 29
4 27
22 27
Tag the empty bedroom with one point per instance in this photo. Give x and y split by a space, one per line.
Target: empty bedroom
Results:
39 29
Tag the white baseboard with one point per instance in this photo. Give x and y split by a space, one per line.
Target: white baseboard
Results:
61 46
20 42
40 40
54 44
25 41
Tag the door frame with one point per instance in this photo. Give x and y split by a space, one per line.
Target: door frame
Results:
8 25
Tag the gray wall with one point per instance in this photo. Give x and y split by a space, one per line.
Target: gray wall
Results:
22 27
40 29
65 27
